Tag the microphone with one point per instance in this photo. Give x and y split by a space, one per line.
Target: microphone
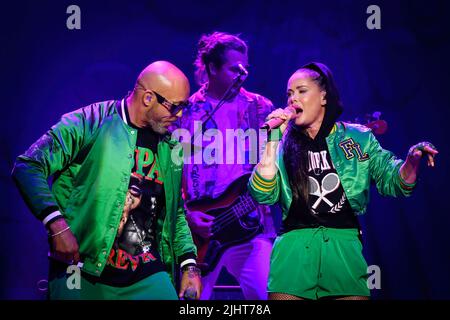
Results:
276 122
242 70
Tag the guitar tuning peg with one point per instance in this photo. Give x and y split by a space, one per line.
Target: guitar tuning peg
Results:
376 115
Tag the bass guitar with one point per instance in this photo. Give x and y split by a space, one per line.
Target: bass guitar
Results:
236 221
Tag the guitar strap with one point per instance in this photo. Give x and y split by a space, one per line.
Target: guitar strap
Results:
253 119
253 113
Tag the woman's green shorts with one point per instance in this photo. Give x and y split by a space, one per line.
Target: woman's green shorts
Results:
318 262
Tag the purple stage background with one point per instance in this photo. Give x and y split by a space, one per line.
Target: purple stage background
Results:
401 70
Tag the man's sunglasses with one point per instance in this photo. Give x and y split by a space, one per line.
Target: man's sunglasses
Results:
171 107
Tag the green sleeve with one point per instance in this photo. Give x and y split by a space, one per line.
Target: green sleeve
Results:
384 168
54 151
264 191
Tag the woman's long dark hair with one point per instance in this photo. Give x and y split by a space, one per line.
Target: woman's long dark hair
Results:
295 145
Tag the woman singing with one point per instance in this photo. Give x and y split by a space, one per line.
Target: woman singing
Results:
319 171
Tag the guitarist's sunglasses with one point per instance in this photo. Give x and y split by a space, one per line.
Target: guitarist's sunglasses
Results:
171 107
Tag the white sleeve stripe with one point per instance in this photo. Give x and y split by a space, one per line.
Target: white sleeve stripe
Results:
51 216
122 107
185 262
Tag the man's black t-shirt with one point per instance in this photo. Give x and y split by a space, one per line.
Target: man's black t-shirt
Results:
134 255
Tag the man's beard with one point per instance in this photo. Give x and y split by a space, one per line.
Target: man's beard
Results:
157 127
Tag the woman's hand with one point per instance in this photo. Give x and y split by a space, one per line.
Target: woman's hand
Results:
284 114
409 169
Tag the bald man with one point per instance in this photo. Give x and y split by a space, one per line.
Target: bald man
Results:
114 213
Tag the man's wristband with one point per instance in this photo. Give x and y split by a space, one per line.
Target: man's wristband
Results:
52 217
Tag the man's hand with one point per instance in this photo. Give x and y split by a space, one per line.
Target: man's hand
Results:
409 169
200 223
191 279
64 246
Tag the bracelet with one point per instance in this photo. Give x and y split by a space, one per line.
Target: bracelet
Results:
59 232
192 270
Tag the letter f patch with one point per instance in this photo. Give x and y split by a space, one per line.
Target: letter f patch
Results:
349 146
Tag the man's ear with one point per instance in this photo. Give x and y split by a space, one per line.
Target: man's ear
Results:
147 99
212 69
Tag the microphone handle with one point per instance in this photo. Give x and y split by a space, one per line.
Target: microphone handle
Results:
272 124
276 122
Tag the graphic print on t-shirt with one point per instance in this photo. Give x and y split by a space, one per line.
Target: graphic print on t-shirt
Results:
326 194
142 204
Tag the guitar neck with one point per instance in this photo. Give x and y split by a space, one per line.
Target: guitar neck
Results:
245 205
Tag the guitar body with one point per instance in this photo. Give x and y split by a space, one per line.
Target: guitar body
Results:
236 221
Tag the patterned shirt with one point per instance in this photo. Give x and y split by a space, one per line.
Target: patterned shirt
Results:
228 146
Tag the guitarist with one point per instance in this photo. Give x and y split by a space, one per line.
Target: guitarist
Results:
217 65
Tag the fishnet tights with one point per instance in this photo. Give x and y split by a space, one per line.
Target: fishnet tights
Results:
283 296
286 296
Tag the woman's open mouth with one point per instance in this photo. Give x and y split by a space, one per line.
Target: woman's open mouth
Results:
298 109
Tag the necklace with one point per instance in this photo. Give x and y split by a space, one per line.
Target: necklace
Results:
145 247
